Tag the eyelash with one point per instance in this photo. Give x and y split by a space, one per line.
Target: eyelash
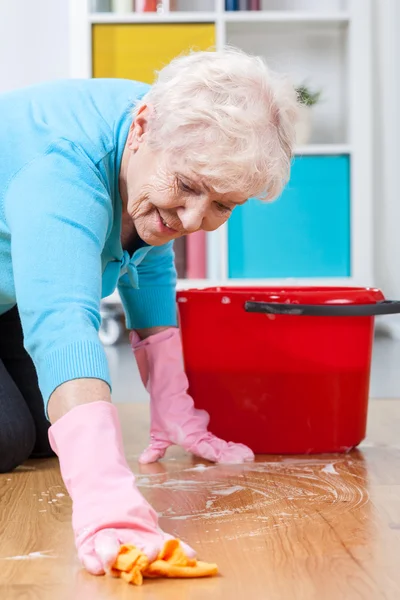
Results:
223 208
186 188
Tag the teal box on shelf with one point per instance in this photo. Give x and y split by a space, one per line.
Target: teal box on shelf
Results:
305 233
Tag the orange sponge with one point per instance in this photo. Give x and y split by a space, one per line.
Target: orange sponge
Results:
132 565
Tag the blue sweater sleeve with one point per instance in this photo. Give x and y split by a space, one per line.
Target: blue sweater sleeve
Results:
154 303
58 211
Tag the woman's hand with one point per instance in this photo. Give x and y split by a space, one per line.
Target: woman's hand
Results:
108 509
174 418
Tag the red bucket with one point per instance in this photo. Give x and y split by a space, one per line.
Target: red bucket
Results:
285 371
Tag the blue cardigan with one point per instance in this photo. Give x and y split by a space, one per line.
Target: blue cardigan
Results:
61 147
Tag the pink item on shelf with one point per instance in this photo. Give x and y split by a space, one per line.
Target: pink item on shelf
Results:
254 4
174 418
146 5
196 255
108 509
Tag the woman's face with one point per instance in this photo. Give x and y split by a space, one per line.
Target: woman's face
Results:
162 197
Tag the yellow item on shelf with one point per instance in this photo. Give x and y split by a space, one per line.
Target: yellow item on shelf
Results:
136 50
132 565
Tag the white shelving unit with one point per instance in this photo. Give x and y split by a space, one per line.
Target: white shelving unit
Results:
224 16
279 16
326 42
172 17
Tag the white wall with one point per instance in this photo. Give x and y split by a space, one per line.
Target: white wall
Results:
386 151
33 41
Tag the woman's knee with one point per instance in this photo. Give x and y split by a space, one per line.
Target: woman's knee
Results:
17 427
17 440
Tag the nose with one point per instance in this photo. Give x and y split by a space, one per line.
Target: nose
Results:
192 215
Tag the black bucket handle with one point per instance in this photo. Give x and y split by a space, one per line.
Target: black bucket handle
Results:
383 307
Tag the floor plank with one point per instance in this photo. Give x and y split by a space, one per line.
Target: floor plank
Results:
286 527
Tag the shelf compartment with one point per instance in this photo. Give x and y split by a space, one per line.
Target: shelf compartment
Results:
305 233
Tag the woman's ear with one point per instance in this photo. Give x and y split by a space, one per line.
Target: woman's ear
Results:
139 127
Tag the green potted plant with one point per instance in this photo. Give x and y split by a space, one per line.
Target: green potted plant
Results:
307 98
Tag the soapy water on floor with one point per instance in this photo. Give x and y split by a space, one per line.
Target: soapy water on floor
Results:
272 494
268 494
31 556
330 469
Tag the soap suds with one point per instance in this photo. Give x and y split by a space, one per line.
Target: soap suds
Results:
228 491
175 485
179 482
278 492
200 467
204 515
31 556
143 481
330 469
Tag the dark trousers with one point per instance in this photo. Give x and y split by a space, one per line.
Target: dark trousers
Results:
23 424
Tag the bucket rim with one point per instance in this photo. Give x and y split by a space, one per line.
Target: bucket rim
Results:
288 294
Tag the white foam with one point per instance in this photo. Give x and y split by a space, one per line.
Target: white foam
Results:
199 467
30 556
180 482
330 469
228 491
143 480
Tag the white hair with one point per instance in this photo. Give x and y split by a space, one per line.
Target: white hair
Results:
229 117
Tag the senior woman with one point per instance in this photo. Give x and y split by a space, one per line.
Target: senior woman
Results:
97 178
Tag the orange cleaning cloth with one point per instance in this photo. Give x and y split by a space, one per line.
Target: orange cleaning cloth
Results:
132 565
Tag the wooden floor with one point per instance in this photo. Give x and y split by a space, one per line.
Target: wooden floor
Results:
325 527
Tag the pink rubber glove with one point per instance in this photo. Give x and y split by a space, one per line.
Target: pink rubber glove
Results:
174 419
108 509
